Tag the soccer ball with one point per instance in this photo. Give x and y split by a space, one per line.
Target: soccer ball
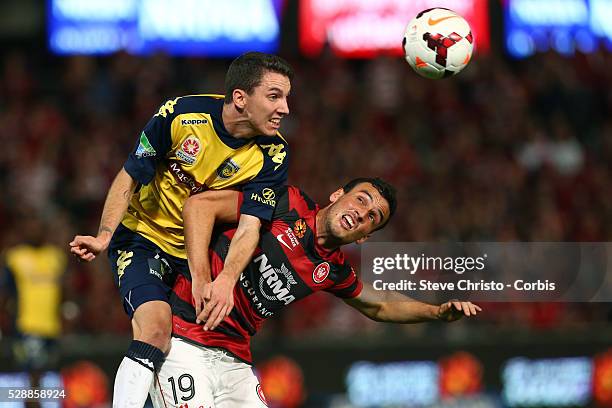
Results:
438 43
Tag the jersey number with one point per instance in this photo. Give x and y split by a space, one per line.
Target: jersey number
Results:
189 388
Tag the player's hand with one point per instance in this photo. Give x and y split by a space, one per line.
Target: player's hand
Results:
200 290
455 310
221 301
86 247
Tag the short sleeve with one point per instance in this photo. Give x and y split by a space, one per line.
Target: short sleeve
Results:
349 285
153 144
261 194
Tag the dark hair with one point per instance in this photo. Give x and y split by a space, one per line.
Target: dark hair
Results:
385 189
246 71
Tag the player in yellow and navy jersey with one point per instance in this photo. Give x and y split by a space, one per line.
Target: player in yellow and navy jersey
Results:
192 144
34 270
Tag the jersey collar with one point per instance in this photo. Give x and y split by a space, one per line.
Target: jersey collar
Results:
224 135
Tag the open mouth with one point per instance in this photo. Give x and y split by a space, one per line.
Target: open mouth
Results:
275 122
347 222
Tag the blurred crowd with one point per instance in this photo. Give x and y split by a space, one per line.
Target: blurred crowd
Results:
505 151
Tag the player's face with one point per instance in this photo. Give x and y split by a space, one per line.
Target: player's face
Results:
267 104
353 216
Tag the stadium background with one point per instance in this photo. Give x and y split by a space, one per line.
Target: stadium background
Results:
511 149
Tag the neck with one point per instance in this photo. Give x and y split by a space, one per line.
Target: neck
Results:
237 123
323 236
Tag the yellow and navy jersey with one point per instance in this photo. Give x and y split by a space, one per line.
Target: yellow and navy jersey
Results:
185 149
37 273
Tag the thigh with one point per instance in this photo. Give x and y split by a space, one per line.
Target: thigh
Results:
183 379
138 268
151 316
240 388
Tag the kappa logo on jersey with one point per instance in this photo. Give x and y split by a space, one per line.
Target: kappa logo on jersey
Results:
144 147
167 107
190 149
261 395
193 122
267 197
275 283
227 169
299 228
288 239
277 154
124 260
320 273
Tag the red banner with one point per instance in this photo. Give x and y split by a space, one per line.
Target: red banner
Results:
365 29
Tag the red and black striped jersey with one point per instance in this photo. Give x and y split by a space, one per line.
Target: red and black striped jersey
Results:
287 266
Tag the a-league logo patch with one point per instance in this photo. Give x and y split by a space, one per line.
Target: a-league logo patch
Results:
189 150
320 272
144 147
261 395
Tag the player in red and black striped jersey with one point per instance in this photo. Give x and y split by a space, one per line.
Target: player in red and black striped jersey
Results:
288 264
298 254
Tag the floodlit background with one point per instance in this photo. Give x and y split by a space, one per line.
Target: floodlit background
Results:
518 147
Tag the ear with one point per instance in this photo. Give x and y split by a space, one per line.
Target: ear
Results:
363 239
336 195
239 98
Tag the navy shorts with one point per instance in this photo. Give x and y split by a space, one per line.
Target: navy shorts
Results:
142 271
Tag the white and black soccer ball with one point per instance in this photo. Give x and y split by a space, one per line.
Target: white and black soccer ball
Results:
438 43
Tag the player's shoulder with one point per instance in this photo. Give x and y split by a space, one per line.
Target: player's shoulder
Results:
203 103
275 151
17 252
278 138
300 196
291 199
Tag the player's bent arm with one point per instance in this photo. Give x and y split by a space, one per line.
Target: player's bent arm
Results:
393 307
241 249
200 213
116 204
242 246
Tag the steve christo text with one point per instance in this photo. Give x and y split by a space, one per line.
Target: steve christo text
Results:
465 285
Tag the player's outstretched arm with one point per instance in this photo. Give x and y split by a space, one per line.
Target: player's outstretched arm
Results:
86 247
200 213
393 307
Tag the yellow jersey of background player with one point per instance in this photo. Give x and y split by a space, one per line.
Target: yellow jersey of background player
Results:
185 149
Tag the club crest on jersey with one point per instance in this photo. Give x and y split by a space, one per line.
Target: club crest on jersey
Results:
299 228
320 272
227 169
189 150
261 395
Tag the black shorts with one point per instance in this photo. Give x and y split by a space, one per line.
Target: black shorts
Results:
142 271
33 352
